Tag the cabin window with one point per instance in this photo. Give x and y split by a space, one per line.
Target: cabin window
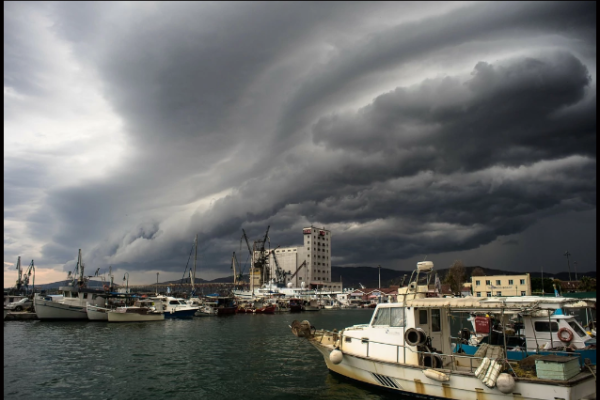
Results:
541 326
382 317
173 302
435 320
577 328
397 317
422 317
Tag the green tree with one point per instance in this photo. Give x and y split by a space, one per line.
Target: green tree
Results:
587 284
455 276
536 285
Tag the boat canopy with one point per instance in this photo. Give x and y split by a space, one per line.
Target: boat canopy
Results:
490 303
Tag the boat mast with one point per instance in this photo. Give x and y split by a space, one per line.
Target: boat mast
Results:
542 280
195 260
80 269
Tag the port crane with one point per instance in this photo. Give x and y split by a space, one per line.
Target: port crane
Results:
280 274
298 269
22 283
237 278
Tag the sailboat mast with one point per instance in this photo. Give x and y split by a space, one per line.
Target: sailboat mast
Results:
542 280
195 260
80 265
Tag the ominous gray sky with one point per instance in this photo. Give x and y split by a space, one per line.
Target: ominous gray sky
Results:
409 129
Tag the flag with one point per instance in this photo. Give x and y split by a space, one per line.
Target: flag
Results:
168 289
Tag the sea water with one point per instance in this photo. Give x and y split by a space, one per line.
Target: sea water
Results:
243 356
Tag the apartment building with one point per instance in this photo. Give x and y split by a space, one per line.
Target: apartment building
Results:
501 285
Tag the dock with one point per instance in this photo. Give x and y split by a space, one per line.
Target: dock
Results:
20 316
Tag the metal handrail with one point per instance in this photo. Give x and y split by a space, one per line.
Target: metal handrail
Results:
398 346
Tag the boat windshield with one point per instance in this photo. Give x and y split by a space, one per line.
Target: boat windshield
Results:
390 317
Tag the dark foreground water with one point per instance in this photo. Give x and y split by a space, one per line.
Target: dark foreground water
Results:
234 357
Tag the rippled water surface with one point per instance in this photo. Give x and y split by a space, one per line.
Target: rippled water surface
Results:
233 357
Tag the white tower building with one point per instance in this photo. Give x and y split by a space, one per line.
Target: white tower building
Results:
315 253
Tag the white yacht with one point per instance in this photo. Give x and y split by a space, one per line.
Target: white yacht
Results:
176 307
406 347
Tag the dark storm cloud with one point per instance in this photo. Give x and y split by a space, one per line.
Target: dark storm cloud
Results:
480 22
503 115
245 115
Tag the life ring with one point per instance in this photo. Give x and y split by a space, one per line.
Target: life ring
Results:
569 335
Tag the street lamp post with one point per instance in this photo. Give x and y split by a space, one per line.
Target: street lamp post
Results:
567 254
127 282
575 267
379 268
157 283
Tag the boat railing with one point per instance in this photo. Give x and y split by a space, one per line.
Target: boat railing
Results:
448 357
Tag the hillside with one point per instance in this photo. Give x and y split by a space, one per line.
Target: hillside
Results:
353 277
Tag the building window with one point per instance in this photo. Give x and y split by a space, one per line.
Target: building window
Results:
522 281
489 294
478 294
477 283
487 282
510 282
522 293
498 293
498 282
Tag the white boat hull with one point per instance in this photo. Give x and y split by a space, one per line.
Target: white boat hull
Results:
411 379
5 313
97 313
115 316
47 309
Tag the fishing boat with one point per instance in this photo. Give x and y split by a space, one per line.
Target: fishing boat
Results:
295 305
542 328
406 347
141 311
97 313
71 305
266 309
218 305
206 311
310 305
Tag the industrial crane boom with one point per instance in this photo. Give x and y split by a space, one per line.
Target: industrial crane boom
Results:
298 269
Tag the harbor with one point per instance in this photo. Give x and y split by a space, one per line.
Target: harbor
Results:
249 356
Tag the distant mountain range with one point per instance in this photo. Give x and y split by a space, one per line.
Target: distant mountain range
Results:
355 276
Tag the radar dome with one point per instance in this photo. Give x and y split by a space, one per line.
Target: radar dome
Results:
425 266
289 285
